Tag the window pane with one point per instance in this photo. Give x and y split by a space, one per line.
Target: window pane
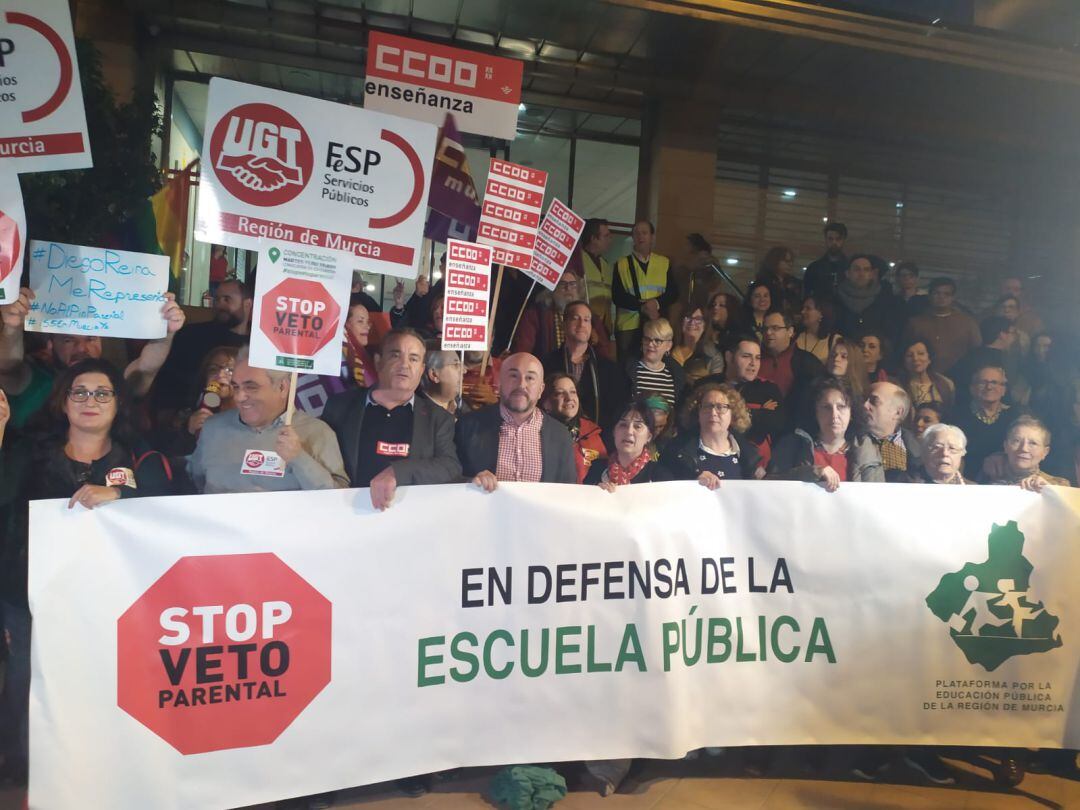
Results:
552 155
605 180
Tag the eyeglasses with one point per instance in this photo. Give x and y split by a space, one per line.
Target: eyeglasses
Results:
938 447
990 383
101 395
693 320
654 341
775 328
715 407
214 370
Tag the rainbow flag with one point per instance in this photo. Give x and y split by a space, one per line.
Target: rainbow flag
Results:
170 206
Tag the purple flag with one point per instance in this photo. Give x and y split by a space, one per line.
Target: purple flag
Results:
453 201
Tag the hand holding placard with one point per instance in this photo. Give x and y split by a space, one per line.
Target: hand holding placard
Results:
96 291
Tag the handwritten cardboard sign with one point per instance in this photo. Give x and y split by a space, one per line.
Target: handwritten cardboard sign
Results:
96 291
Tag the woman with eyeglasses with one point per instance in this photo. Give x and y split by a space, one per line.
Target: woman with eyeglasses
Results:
692 351
88 455
211 393
708 450
91 453
655 372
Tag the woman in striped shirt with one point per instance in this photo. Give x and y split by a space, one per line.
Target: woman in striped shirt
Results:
655 372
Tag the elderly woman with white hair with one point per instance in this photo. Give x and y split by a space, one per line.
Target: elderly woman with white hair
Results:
943 449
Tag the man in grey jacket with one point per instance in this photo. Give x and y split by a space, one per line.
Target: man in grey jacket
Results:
887 406
251 449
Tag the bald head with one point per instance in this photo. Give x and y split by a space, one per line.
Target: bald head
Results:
521 384
887 405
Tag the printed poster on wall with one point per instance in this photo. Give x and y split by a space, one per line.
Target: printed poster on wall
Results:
290 168
465 308
513 202
42 119
425 81
555 242
96 291
301 303
12 234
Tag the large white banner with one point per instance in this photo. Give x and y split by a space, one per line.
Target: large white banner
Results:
216 651
42 118
290 168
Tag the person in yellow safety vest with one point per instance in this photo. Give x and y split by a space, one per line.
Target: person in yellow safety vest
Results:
642 288
590 264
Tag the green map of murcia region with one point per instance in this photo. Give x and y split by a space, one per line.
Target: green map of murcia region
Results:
991 613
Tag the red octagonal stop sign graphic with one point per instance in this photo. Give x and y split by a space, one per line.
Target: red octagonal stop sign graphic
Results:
223 652
299 317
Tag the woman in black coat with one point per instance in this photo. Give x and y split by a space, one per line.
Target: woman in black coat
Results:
708 450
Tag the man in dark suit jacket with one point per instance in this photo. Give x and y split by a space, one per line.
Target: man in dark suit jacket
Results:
388 435
533 447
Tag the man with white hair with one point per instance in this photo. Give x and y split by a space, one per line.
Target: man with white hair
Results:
887 406
943 449
441 382
251 449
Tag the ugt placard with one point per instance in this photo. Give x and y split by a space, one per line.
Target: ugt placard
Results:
289 168
42 119
301 301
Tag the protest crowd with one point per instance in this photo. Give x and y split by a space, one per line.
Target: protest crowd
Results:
639 370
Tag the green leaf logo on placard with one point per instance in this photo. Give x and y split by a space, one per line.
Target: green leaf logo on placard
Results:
274 254
990 608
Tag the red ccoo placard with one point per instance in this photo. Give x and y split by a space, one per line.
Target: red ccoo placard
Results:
513 202
558 236
465 308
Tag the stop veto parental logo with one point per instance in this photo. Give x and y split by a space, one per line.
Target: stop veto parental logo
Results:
299 317
223 652
261 154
